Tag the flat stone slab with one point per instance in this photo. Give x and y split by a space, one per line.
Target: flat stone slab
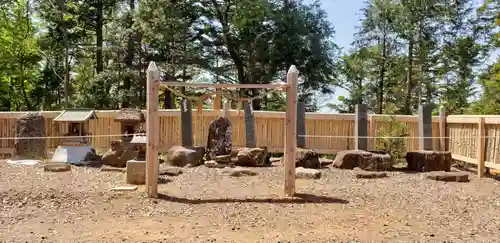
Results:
172 171
325 162
214 164
57 167
124 188
449 176
237 172
106 168
303 173
363 174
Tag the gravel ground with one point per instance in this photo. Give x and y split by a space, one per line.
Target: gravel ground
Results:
201 205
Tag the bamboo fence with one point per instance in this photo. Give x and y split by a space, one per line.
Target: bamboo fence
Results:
329 133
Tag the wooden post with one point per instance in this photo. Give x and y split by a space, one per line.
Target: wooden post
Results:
301 125
152 131
225 111
291 131
249 126
186 123
442 128
217 101
480 147
425 126
361 127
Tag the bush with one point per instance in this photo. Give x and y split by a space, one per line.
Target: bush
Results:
391 139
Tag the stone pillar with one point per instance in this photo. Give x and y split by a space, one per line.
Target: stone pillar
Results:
361 127
301 125
186 123
425 127
249 126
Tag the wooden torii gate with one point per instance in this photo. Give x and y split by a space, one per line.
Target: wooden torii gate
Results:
153 123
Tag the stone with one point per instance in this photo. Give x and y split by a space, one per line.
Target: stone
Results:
181 156
325 162
112 169
223 158
304 173
363 174
307 158
425 161
361 127
30 125
301 125
238 172
136 172
214 164
449 176
123 188
118 154
94 157
171 171
370 161
219 137
252 157
250 140
57 167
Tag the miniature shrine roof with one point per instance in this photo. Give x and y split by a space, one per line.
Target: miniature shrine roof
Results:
131 115
75 116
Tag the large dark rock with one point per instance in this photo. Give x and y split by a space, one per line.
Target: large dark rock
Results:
219 138
117 155
30 125
181 156
307 158
424 161
350 159
252 157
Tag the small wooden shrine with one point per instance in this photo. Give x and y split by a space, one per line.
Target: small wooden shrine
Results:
76 147
77 124
131 121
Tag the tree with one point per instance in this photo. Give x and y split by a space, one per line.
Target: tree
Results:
19 56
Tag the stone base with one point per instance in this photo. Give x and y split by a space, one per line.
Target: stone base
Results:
425 161
136 172
449 176
362 174
303 173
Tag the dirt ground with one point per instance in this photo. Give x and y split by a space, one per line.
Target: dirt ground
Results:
201 205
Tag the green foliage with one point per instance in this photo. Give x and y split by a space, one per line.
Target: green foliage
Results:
405 52
392 139
411 52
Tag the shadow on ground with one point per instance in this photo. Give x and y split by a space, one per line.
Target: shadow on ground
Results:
297 199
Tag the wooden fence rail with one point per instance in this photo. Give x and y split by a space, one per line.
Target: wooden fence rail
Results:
328 133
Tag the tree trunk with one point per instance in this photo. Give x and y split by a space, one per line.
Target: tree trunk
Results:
99 36
409 81
167 99
127 83
382 75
